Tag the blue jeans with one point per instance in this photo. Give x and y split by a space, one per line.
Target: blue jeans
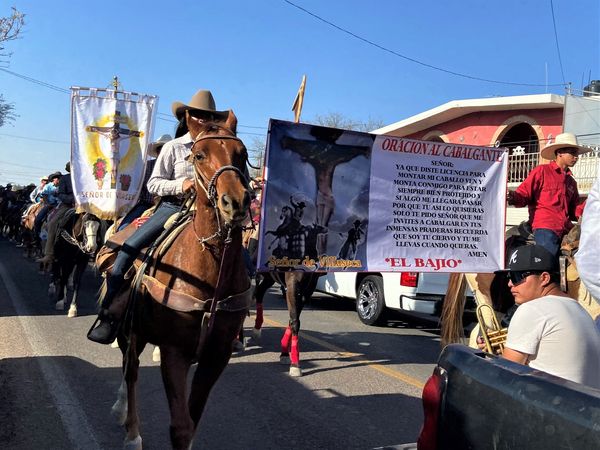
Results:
547 239
39 219
143 237
135 212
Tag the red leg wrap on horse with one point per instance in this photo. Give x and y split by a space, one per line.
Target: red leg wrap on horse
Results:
295 352
285 340
259 316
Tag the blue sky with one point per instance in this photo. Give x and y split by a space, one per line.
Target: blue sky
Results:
252 55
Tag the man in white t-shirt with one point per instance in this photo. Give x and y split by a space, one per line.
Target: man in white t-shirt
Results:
550 331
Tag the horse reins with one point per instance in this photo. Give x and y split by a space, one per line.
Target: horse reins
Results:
73 240
210 187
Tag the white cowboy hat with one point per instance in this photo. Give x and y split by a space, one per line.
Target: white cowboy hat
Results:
154 147
563 140
202 100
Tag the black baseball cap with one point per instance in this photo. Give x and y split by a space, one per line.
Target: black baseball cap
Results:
533 258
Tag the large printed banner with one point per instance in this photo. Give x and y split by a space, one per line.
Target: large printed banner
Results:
110 132
339 200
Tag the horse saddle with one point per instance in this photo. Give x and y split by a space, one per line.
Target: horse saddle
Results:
106 256
158 291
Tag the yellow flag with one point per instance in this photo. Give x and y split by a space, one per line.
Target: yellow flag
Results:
297 108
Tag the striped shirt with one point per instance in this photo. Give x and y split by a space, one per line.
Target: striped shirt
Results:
171 168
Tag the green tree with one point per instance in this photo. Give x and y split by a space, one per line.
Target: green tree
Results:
10 29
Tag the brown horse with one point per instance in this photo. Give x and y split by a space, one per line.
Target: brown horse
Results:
31 242
195 303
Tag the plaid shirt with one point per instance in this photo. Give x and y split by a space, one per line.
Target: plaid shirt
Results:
145 196
171 168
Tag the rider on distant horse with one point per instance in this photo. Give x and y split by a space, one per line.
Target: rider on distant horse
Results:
66 202
36 194
172 177
50 196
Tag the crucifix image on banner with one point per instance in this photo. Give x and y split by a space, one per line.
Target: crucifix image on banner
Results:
342 200
115 134
109 139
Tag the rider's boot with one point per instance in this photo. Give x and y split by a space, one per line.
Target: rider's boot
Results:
104 330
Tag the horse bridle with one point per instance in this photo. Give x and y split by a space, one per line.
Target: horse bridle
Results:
73 240
210 186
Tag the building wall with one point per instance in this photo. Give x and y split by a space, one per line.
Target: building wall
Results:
485 128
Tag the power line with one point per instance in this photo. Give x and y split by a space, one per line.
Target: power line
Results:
67 91
33 139
21 165
430 66
556 40
33 80
169 118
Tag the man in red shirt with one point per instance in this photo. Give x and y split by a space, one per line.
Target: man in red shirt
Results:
550 192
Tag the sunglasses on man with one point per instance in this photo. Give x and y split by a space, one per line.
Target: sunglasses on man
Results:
518 278
203 115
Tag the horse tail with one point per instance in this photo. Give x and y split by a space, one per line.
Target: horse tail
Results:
452 311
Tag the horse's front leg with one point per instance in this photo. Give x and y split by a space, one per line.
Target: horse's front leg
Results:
290 337
174 366
213 360
77 276
56 288
131 362
259 294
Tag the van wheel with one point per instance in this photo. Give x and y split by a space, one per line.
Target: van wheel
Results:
370 303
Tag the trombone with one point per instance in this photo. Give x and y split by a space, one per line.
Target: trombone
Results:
494 336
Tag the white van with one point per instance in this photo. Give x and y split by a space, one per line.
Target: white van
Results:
376 292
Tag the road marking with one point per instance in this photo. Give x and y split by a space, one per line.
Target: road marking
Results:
73 417
354 357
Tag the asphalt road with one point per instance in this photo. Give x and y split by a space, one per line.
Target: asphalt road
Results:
360 390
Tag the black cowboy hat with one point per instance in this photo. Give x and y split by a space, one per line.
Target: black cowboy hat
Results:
357 222
54 175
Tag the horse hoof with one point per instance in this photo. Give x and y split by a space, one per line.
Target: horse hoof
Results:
295 371
284 359
134 444
256 333
237 346
156 354
60 305
72 311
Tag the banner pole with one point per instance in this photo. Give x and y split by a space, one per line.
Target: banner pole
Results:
299 100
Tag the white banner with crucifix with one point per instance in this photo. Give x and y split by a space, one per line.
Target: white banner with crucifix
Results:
110 132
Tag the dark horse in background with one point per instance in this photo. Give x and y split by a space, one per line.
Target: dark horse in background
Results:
299 288
76 242
197 292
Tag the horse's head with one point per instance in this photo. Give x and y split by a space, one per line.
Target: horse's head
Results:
219 158
91 224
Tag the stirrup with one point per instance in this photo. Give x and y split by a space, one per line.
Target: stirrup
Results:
114 325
